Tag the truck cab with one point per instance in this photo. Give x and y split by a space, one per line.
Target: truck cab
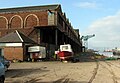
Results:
65 52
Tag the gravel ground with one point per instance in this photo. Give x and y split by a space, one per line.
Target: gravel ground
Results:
58 72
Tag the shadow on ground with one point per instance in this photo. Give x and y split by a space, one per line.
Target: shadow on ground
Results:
13 73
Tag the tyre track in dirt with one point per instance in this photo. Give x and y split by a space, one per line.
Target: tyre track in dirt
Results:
94 72
34 80
64 79
113 64
110 71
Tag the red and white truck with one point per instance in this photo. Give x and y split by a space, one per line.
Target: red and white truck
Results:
65 53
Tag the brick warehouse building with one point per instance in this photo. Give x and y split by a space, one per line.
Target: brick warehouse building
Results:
43 25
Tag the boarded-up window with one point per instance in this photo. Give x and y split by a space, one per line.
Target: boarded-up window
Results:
15 22
31 21
3 23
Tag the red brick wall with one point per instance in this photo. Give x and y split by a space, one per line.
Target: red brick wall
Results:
22 20
13 53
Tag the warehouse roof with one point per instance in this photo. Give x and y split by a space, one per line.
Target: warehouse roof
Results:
31 8
16 37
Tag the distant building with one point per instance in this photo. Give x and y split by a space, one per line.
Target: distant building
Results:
43 25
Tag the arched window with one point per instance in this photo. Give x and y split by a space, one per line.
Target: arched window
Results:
31 20
16 22
3 22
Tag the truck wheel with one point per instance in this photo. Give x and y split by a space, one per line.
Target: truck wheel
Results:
61 60
73 60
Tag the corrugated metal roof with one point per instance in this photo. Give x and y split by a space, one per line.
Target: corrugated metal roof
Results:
30 8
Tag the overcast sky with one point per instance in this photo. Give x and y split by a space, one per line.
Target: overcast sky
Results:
99 17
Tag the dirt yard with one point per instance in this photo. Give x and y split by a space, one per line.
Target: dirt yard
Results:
58 72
